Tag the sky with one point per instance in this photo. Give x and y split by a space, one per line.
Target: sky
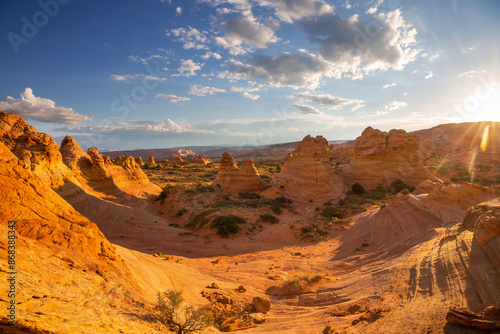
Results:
123 74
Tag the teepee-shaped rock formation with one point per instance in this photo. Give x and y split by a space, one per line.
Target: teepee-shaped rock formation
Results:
231 178
151 161
307 174
72 153
139 161
381 158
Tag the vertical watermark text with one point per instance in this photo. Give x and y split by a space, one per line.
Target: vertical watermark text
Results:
12 273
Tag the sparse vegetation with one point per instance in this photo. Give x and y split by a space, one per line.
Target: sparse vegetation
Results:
227 225
313 232
269 218
172 313
398 186
181 211
358 189
168 189
248 196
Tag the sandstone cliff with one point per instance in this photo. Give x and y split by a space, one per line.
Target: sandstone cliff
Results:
307 174
381 158
245 179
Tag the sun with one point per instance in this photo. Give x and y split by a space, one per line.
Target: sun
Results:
485 106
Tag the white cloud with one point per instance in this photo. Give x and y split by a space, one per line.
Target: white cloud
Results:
390 85
128 77
204 90
391 45
148 59
378 113
290 70
211 54
331 102
245 89
470 74
305 109
395 105
251 96
178 11
188 68
191 37
292 10
40 109
244 29
429 75
173 98
357 106
372 10
233 49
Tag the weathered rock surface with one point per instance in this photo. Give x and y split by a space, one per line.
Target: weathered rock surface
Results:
199 159
245 179
151 161
381 158
485 220
489 318
72 153
307 174
139 161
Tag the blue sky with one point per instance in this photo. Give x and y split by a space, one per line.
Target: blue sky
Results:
158 73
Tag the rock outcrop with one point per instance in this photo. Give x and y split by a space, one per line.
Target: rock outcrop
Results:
307 174
139 161
36 151
151 161
484 219
381 158
245 179
72 153
199 159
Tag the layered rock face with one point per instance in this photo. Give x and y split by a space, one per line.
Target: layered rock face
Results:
72 251
484 219
72 153
231 178
381 158
151 161
36 151
342 154
307 174
139 161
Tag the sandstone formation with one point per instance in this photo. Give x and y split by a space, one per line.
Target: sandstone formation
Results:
199 159
307 174
72 153
245 179
81 270
381 158
176 160
151 161
36 151
139 161
341 153
484 219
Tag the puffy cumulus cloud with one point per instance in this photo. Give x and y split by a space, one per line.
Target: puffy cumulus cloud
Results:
395 105
305 109
291 10
188 68
390 85
355 46
292 70
244 29
331 102
128 77
251 96
191 37
173 98
211 54
233 49
373 9
178 11
40 109
204 90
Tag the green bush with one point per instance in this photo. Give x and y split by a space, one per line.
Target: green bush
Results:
269 218
249 195
200 219
227 225
358 189
313 232
168 189
331 212
181 212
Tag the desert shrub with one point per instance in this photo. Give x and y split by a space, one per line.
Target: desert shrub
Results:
180 319
381 189
281 199
331 212
168 189
358 189
249 195
200 219
269 218
227 225
181 212
276 206
313 232
278 168
266 177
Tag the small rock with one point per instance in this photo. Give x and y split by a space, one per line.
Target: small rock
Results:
261 304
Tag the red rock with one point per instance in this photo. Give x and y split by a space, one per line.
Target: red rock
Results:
231 178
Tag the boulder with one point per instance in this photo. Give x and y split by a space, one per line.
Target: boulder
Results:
261 304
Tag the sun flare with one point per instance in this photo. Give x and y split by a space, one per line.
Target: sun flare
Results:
485 107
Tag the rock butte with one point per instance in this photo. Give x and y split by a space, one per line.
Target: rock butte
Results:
244 179
151 161
381 158
307 174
